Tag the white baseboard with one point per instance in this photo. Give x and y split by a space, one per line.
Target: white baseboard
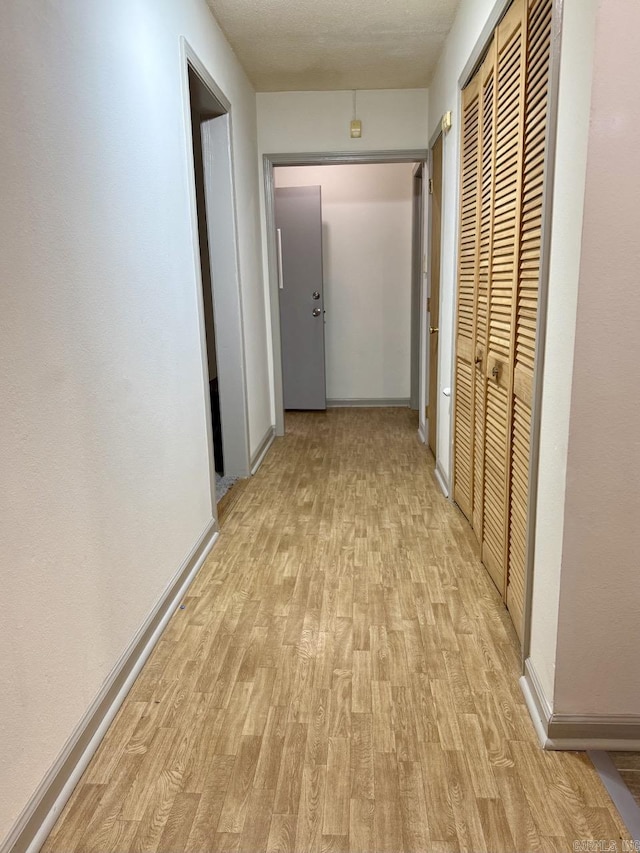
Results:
263 448
373 403
442 482
536 702
575 731
43 809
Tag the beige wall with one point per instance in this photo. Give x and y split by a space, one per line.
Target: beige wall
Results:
103 447
367 221
599 615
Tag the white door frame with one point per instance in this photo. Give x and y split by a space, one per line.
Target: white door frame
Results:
270 161
217 150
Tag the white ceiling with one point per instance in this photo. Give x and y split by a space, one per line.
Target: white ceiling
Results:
299 45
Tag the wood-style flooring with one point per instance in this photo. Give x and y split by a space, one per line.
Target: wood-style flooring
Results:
344 677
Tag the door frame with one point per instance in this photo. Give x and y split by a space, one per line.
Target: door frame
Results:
225 267
419 248
270 162
426 359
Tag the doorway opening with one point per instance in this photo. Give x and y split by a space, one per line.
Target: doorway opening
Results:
358 323
205 107
216 256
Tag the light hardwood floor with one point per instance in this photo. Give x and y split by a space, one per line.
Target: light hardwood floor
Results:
344 677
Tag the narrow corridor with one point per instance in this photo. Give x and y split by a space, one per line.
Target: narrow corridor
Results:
343 677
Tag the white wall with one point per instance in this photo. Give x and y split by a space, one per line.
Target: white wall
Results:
307 122
104 471
574 97
367 222
597 669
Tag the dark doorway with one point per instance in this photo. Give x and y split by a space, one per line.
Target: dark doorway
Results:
204 107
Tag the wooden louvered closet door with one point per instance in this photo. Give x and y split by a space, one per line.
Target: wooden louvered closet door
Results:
502 281
467 285
487 136
504 129
526 314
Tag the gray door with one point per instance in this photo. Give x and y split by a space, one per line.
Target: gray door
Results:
299 233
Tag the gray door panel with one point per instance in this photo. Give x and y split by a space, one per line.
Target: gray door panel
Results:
298 214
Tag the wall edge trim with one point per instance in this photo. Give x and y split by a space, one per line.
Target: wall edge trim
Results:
442 481
592 728
576 731
335 158
368 402
45 805
257 458
536 702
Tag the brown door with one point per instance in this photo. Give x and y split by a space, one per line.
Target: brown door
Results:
434 288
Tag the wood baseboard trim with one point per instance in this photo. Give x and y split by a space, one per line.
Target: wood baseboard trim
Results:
370 403
43 809
575 731
263 448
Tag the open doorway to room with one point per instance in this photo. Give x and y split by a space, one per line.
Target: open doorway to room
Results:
215 246
346 289
204 107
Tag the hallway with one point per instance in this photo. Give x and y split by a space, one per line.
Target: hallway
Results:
343 677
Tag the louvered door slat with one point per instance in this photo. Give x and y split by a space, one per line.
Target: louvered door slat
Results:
503 276
535 138
487 75
464 412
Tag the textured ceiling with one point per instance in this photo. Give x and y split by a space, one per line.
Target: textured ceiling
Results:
298 45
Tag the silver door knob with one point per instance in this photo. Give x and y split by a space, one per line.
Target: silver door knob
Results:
316 312
315 295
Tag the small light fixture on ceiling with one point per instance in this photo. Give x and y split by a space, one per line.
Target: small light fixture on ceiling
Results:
355 128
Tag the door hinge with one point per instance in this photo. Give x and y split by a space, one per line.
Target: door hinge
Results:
426 413
430 186
428 305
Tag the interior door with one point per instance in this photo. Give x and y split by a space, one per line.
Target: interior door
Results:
298 215
510 62
434 288
526 313
469 235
